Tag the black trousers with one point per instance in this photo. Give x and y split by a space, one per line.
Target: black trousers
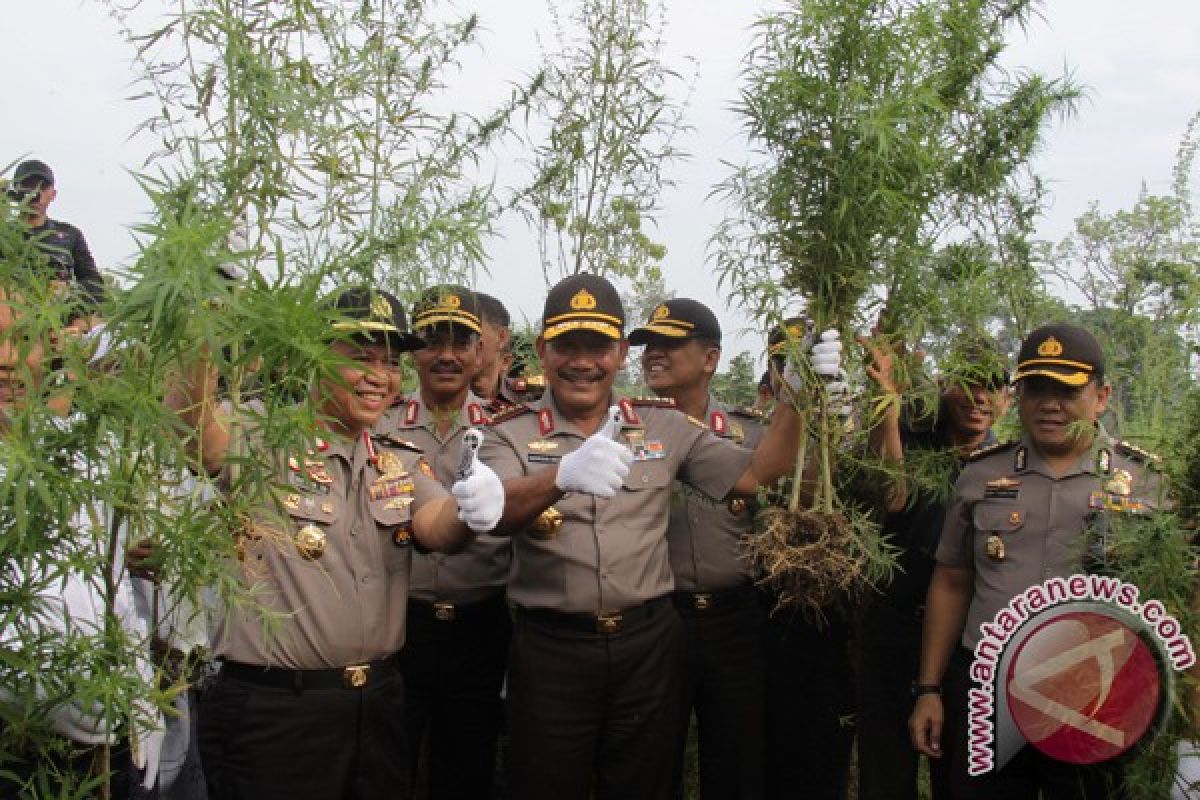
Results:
1030 774
262 743
890 647
810 707
453 673
724 683
32 776
584 704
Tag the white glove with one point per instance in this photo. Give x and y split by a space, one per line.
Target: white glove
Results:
1186 785
600 464
480 497
146 734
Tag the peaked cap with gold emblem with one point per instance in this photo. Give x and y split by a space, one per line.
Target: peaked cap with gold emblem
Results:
583 302
793 329
455 305
373 313
678 318
1067 353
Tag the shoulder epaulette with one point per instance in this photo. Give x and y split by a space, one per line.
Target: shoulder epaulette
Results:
749 413
998 447
1137 454
511 412
652 402
396 441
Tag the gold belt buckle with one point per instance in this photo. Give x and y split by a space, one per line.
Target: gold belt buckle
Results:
444 612
355 675
608 622
702 601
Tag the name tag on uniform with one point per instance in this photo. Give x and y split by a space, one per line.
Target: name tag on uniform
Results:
543 458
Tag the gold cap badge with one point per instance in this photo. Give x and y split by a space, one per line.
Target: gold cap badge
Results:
380 307
662 312
1050 348
583 301
452 301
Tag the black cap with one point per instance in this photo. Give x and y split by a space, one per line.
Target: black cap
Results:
678 318
583 302
793 329
448 304
1067 353
371 313
32 169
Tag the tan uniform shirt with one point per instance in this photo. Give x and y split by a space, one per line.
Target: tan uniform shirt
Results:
609 554
1037 521
480 571
704 536
349 605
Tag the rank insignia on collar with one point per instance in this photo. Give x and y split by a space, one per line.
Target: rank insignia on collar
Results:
410 413
716 421
1104 461
1019 459
545 422
542 445
475 414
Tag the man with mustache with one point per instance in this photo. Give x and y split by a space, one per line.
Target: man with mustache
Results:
313 706
596 664
1020 514
969 402
722 612
456 649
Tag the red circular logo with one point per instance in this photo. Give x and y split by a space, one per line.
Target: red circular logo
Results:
1083 687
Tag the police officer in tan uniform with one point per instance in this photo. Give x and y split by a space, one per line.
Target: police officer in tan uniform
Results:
723 616
490 382
458 624
595 667
311 705
1020 514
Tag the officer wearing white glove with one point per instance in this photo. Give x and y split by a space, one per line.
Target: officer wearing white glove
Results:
480 498
599 465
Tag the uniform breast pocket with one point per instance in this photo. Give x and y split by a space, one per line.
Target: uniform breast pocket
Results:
998 518
309 522
393 520
644 475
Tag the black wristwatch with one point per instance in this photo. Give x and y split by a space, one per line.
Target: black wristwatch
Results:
918 689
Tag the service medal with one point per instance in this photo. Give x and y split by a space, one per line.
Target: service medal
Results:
1119 483
995 548
310 542
390 465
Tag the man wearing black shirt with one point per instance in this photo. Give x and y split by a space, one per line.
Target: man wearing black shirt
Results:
890 635
70 262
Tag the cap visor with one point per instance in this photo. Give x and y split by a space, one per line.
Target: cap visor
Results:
1069 378
429 320
641 336
593 325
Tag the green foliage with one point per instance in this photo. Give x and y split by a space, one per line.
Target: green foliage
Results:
738 385
1137 273
612 127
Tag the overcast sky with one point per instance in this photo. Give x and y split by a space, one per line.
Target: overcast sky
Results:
67 71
